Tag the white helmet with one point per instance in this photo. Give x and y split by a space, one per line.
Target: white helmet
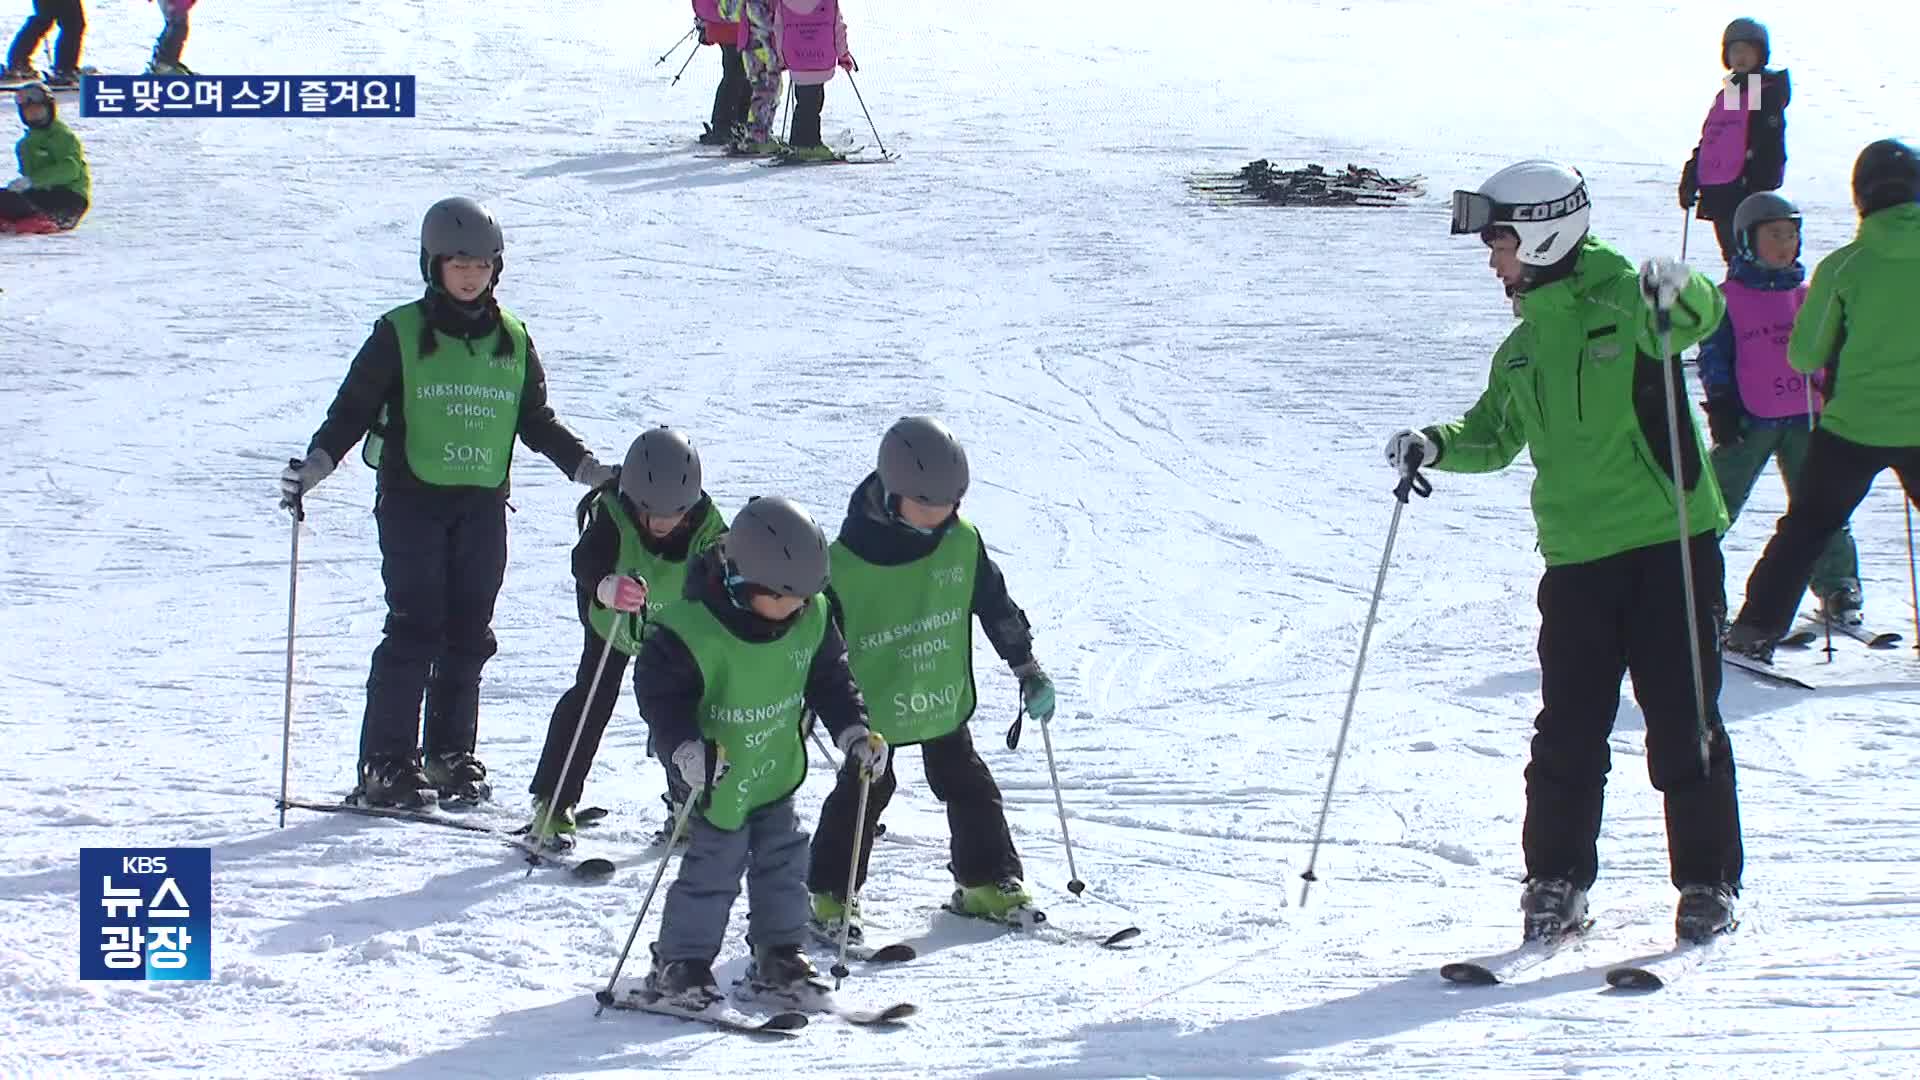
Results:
1544 202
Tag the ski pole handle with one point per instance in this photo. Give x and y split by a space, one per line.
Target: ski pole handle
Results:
1412 481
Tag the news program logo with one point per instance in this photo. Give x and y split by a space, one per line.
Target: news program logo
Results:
146 914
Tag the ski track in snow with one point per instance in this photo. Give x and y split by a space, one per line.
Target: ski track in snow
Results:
1174 413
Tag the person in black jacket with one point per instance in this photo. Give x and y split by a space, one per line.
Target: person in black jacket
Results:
440 390
1743 143
66 52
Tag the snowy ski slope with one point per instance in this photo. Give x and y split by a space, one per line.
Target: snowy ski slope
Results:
1175 415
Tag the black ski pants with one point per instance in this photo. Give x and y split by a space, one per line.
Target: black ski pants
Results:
981 846
1833 482
66 51
807 103
1626 615
443 555
599 711
731 98
63 206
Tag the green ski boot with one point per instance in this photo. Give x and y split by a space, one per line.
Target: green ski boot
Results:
1006 901
559 829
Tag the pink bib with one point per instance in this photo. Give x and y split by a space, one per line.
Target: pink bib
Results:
1762 320
806 39
1723 142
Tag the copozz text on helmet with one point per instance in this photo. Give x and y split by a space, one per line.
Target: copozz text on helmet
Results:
1548 211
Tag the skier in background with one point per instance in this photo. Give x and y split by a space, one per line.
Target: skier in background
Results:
1579 383
630 562
909 577
173 38
812 41
1743 142
762 62
441 389
731 98
1758 408
66 51
1861 325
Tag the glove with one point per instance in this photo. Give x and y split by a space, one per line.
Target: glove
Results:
298 479
1689 187
866 748
1036 690
847 63
1400 450
1661 280
1724 416
19 183
690 760
622 592
592 473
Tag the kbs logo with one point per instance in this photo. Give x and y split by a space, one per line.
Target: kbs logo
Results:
146 914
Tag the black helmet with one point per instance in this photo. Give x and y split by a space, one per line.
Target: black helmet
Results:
1887 173
1749 30
662 473
459 226
774 543
30 94
1758 209
920 458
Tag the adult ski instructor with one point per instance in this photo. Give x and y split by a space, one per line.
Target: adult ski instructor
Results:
1582 382
440 390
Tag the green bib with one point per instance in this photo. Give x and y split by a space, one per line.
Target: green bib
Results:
462 404
666 578
751 706
909 631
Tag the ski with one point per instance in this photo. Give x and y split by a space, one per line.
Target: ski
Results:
1504 967
818 997
719 1015
896 953
840 158
590 869
18 84
1661 971
1763 670
1853 627
1033 920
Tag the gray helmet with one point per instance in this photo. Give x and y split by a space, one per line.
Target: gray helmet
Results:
1748 30
919 457
34 93
459 226
1887 173
774 543
1758 209
662 473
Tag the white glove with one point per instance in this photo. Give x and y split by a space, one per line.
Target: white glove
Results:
867 748
1400 450
1661 280
690 760
298 479
19 183
622 592
592 473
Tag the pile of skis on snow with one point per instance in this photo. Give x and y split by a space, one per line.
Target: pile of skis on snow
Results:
1260 183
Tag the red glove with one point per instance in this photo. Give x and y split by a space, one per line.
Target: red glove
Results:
847 64
623 592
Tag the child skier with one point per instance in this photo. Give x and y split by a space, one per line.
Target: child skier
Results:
1758 407
441 389
52 192
909 577
1743 143
1861 326
1582 383
173 38
66 51
812 40
723 679
761 60
630 561
730 98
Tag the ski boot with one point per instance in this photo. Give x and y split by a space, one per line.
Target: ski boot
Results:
713 136
1842 606
1554 909
830 915
559 830
1005 901
20 75
808 153
1704 911
681 984
393 781
665 832
162 67
63 79
743 146
781 976
1750 641
460 777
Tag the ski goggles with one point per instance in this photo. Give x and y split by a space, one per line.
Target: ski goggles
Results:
1474 213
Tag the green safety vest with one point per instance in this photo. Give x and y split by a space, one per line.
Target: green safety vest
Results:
462 406
751 705
666 578
909 631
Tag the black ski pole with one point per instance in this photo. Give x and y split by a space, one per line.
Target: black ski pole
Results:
1411 482
684 67
676 47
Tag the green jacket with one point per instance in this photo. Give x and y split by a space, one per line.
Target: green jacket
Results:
1578 383
1862 315
51 157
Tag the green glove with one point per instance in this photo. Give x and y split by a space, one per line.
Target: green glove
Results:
1036 690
